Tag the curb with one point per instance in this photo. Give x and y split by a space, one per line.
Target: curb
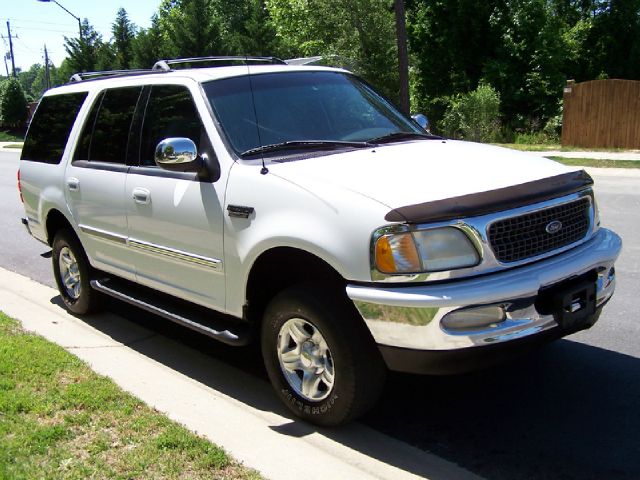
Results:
229 407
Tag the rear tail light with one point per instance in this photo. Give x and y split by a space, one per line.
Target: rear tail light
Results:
20 187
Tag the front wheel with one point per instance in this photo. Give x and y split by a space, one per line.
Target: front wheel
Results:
72 272
320 359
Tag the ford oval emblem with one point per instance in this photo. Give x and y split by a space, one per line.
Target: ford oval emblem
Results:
553 227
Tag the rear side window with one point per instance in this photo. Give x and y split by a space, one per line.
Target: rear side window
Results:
170 113
50 127
105 134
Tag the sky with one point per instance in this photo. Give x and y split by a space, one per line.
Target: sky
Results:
36 24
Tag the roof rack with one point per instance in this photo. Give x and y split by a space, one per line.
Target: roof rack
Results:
81 76
165 65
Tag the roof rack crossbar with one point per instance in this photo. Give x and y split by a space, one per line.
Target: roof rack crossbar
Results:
165 65
81 76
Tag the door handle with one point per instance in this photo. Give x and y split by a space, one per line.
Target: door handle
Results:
73 183
141 196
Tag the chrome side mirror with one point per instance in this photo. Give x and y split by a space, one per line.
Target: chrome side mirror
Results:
421 120
178 154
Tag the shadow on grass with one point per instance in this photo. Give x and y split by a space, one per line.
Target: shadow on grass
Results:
568 411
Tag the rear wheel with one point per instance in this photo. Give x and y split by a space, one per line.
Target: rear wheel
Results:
321 361
73 274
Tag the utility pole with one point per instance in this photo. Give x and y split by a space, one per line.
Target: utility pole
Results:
5 63
403 55
13 63
47 77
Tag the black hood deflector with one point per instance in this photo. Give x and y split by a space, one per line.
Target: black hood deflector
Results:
492 201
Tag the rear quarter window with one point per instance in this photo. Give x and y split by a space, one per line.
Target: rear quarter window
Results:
50 127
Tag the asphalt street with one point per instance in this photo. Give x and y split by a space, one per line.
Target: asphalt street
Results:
568 411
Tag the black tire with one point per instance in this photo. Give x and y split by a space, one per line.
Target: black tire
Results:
85 299
358 371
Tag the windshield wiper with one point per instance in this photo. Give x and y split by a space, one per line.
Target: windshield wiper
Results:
390 137
304 144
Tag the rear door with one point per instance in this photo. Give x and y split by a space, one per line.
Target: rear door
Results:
175 219
95 180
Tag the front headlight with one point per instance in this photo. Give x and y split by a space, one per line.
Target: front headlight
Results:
431 250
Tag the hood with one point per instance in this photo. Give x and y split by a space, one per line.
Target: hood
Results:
421 171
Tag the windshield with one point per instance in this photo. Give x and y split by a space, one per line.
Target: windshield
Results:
302 106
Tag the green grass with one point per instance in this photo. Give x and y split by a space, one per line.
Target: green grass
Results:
13 145
58 419
6 136
599 163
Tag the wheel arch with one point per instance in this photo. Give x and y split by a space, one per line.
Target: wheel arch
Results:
56 221
281 267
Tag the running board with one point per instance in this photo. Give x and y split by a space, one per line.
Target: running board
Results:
202 320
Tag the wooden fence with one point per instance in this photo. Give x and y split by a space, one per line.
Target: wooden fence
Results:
602 114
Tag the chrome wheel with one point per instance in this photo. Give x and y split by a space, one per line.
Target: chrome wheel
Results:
69 273
305 359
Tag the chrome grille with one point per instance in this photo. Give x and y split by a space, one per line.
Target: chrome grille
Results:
525 236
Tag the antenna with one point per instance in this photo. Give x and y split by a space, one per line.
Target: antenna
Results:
264 170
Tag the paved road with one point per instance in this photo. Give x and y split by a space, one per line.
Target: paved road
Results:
569 411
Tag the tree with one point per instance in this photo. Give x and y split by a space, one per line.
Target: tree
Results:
124 33
249 29
193 27
13 103
450 42
88 53
27 79
150 45
474 116
359 33
527 66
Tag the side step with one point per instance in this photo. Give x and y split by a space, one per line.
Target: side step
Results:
213 324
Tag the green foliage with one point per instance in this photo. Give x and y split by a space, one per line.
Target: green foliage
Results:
193 28
533 138
526 49
123 34
150 45
473 116
13 104
34 81
358 34
88 53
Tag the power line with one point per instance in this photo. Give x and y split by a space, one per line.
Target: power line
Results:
45 30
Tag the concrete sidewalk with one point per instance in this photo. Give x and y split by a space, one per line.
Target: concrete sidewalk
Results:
230 407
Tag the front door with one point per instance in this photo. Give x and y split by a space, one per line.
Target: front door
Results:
175 220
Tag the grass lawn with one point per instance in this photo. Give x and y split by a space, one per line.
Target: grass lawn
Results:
58 419
6 136
599 163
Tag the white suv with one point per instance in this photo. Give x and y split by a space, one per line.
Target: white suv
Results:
296 205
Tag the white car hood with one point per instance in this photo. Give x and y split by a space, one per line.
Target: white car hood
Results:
420 171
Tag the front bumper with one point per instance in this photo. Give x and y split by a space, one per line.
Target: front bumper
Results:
410 317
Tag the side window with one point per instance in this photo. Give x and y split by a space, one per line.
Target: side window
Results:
105 134
50 127
82 147
170 113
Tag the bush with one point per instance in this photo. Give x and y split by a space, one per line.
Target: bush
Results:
473 116
13 104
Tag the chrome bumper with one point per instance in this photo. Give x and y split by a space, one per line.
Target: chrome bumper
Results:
411 316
